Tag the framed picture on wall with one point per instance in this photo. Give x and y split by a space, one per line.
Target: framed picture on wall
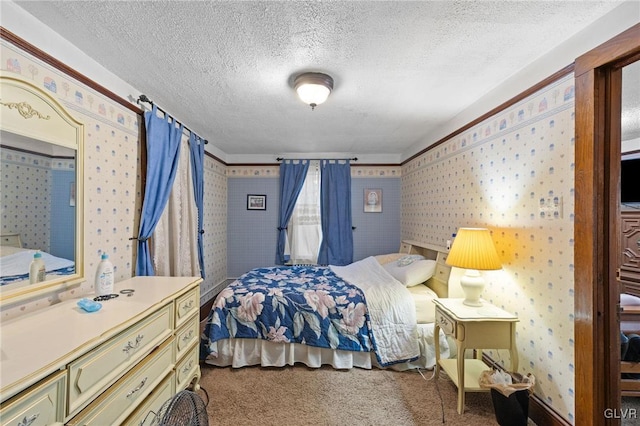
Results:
256 202
373 200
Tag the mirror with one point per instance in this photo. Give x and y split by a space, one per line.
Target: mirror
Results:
40 192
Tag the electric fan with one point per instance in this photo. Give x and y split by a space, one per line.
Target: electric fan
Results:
186 408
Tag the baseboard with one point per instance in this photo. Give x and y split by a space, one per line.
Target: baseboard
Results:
539 411
544 415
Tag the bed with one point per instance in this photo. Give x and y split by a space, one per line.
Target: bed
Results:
360 315
15 261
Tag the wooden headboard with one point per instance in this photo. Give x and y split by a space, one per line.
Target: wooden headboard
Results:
440 280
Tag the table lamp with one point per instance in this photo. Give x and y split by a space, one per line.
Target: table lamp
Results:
473 249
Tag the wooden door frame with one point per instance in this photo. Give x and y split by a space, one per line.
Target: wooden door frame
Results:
597 208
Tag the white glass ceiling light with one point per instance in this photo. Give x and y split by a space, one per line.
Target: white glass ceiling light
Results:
313 88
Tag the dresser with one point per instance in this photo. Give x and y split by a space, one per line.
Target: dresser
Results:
62 365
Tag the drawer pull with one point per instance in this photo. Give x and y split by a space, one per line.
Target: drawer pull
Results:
27 421
188 337
140 386
444 321
135 345
188 306
187 367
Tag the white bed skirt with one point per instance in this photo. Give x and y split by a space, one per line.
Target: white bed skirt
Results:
243 352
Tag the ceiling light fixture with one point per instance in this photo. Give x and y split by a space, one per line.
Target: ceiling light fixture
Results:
313 88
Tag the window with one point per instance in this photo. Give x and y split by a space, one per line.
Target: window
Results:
304 231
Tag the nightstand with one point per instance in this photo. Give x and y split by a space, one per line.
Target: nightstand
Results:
485 327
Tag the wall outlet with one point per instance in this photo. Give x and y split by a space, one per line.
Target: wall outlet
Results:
551 207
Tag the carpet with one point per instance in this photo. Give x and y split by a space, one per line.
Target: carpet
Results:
297 395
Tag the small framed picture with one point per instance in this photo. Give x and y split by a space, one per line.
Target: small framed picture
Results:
256 202
373 200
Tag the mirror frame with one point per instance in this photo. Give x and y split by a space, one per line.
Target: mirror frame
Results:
25 108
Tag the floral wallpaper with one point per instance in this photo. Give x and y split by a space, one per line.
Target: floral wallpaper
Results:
215 226
26 197
111 171
502 174
112 183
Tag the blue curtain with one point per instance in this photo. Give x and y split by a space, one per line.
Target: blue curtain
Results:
163 152
335 206
196 147
292 176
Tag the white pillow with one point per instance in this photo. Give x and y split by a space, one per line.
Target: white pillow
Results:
413 274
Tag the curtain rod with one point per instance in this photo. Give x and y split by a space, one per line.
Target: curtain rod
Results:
144 98
319 159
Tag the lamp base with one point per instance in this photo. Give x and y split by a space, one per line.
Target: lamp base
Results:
472 285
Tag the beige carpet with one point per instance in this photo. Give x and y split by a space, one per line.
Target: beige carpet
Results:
302 396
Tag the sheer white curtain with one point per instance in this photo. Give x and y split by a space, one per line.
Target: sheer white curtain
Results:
175 243
304 231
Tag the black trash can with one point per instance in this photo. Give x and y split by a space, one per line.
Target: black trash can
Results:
512 410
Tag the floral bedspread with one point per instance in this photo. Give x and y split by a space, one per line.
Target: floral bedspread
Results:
295 304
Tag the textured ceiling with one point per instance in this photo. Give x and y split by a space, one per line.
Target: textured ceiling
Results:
401 69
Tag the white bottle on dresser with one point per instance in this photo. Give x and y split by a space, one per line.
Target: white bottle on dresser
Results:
104 276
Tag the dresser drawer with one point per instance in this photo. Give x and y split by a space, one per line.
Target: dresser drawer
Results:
187 336
187 369
146 413
119 401
187 305
95 371
42 404
445 322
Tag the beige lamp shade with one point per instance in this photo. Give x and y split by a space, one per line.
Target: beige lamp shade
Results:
473 248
